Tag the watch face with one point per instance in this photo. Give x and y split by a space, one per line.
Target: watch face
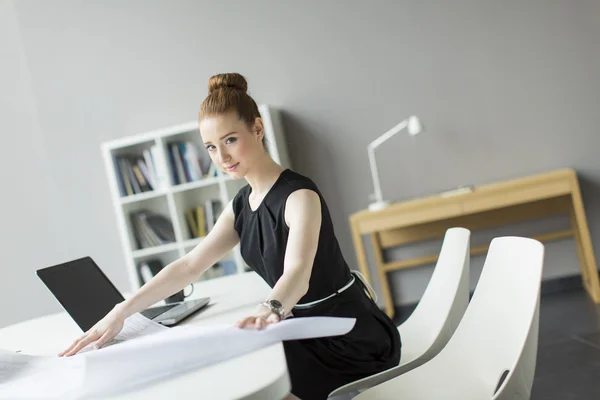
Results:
276 304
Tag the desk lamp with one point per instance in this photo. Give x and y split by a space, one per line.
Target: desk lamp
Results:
414 127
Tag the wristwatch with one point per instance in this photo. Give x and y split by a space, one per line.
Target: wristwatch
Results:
275 307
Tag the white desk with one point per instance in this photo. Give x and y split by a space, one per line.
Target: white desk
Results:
261 375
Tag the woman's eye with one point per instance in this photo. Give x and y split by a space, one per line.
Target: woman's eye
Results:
210 147
230 140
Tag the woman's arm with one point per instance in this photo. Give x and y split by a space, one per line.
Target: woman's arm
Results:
185 270
171 279
303 216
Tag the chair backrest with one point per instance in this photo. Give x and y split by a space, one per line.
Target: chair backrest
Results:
496 340
443 303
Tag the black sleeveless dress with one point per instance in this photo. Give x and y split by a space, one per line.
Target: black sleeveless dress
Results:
317 366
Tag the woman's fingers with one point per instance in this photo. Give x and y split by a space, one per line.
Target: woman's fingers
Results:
251 321
65 351
257 322
243 322
102 341
73 344
82 343
273 318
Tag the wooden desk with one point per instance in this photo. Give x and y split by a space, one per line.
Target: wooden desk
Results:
491 205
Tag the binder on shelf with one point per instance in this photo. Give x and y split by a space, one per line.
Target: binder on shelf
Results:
151 229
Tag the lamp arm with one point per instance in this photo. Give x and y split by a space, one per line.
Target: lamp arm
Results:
371 152
377 142
374 173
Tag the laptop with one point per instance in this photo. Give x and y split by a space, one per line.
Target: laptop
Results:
87 295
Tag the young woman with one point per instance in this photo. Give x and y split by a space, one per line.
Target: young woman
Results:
286 235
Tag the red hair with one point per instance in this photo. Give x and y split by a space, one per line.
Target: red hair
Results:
228 92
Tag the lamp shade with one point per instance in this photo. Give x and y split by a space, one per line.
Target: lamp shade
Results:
414 126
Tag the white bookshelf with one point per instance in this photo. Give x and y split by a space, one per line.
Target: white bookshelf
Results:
170 200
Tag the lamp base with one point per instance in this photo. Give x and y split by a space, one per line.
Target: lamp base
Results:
378 205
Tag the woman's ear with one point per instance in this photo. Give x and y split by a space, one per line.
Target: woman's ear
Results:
258 129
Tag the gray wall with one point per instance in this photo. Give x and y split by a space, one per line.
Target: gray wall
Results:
505 89
29 194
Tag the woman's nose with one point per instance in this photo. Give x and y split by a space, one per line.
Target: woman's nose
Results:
223 156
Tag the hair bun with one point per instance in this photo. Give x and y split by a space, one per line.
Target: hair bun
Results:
231 80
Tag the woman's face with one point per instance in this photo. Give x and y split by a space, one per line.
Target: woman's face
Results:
231 145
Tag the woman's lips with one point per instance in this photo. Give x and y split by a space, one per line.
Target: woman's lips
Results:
232 168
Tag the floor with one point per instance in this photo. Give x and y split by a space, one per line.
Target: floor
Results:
568 362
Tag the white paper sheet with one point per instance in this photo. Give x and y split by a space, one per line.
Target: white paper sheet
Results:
135 326
148 357
13 365
25 377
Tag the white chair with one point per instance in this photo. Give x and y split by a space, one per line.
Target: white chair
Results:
492 354
435 318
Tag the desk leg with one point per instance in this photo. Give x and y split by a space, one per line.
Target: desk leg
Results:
383 281
585 251
360 253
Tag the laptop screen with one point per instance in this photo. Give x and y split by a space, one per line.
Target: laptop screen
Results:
82 289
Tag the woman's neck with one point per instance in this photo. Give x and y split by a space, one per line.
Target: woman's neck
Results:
263 175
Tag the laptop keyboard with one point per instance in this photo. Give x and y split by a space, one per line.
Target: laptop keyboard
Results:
153 312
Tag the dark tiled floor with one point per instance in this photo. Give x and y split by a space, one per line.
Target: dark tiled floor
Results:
568 362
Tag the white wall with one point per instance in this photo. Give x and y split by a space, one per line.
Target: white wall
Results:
30 237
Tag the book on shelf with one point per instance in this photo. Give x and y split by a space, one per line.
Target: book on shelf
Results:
151 229
213 209
188 164
139 173
202 218
223 267
148 269
229 267
195 221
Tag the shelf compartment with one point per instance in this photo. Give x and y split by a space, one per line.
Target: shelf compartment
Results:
151 251
195 184
192 201
142 196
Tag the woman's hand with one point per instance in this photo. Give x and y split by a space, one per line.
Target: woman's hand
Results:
104 330
261 317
